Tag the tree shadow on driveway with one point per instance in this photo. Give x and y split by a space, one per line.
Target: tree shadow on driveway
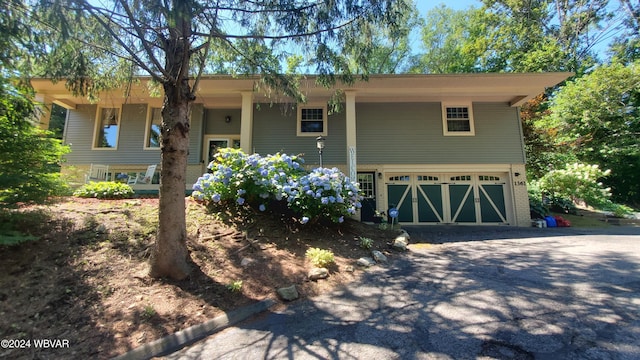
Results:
547 297
438 234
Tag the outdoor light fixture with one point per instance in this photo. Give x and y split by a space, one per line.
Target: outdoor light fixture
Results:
320 145
227 119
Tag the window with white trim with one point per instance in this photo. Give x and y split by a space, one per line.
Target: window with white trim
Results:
153 129
312 121
107 128
457 120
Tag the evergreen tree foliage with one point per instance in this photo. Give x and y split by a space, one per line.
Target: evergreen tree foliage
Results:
30 157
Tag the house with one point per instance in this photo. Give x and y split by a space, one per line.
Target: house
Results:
442 149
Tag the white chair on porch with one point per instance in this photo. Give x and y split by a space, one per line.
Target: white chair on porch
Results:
97 172
147 178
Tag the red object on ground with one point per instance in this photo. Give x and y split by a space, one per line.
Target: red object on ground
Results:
562 222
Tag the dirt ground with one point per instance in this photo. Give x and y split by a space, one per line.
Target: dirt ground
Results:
85 281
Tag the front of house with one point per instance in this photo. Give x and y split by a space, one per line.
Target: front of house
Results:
442 149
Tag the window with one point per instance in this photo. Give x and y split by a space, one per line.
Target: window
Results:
312 121
366 185
489 178
107 128
400 178
457 120
153 132
461 178
427 178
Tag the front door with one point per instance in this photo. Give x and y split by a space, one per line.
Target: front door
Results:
367 186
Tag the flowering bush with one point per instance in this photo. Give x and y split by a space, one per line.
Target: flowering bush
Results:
252 180
578 182
105 190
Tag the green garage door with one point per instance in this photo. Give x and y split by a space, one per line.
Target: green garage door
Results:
430 200
448 198
400 196
492 206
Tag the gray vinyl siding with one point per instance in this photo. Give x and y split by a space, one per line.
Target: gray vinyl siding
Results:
130 149
411 133
215 123
275 131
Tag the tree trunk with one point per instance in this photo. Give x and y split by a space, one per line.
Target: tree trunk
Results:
170 255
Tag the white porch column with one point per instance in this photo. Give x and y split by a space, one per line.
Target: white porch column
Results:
351 134
43 111
246 123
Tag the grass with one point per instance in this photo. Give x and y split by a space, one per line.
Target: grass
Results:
587 220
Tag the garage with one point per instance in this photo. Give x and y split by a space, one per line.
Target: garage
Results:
475 198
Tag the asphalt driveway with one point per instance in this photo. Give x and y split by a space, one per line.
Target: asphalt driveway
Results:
471 293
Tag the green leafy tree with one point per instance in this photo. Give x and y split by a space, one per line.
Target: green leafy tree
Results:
389 51
30 157
96 45
549 35
626 47
514 36
542 151
597 117
445 40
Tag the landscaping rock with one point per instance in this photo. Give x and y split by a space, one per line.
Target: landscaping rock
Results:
401 242
366 262
378 256
404 233
318 273
245 262
288 293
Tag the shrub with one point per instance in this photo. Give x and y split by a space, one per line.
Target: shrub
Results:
105 190
252 180
619 211
577 182
366 243
320 257
235 286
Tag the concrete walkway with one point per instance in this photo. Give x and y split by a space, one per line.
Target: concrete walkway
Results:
479 294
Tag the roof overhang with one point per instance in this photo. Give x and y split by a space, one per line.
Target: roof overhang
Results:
225 91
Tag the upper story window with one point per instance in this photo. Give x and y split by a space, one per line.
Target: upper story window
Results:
107 128
312 121
457 119
153 128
